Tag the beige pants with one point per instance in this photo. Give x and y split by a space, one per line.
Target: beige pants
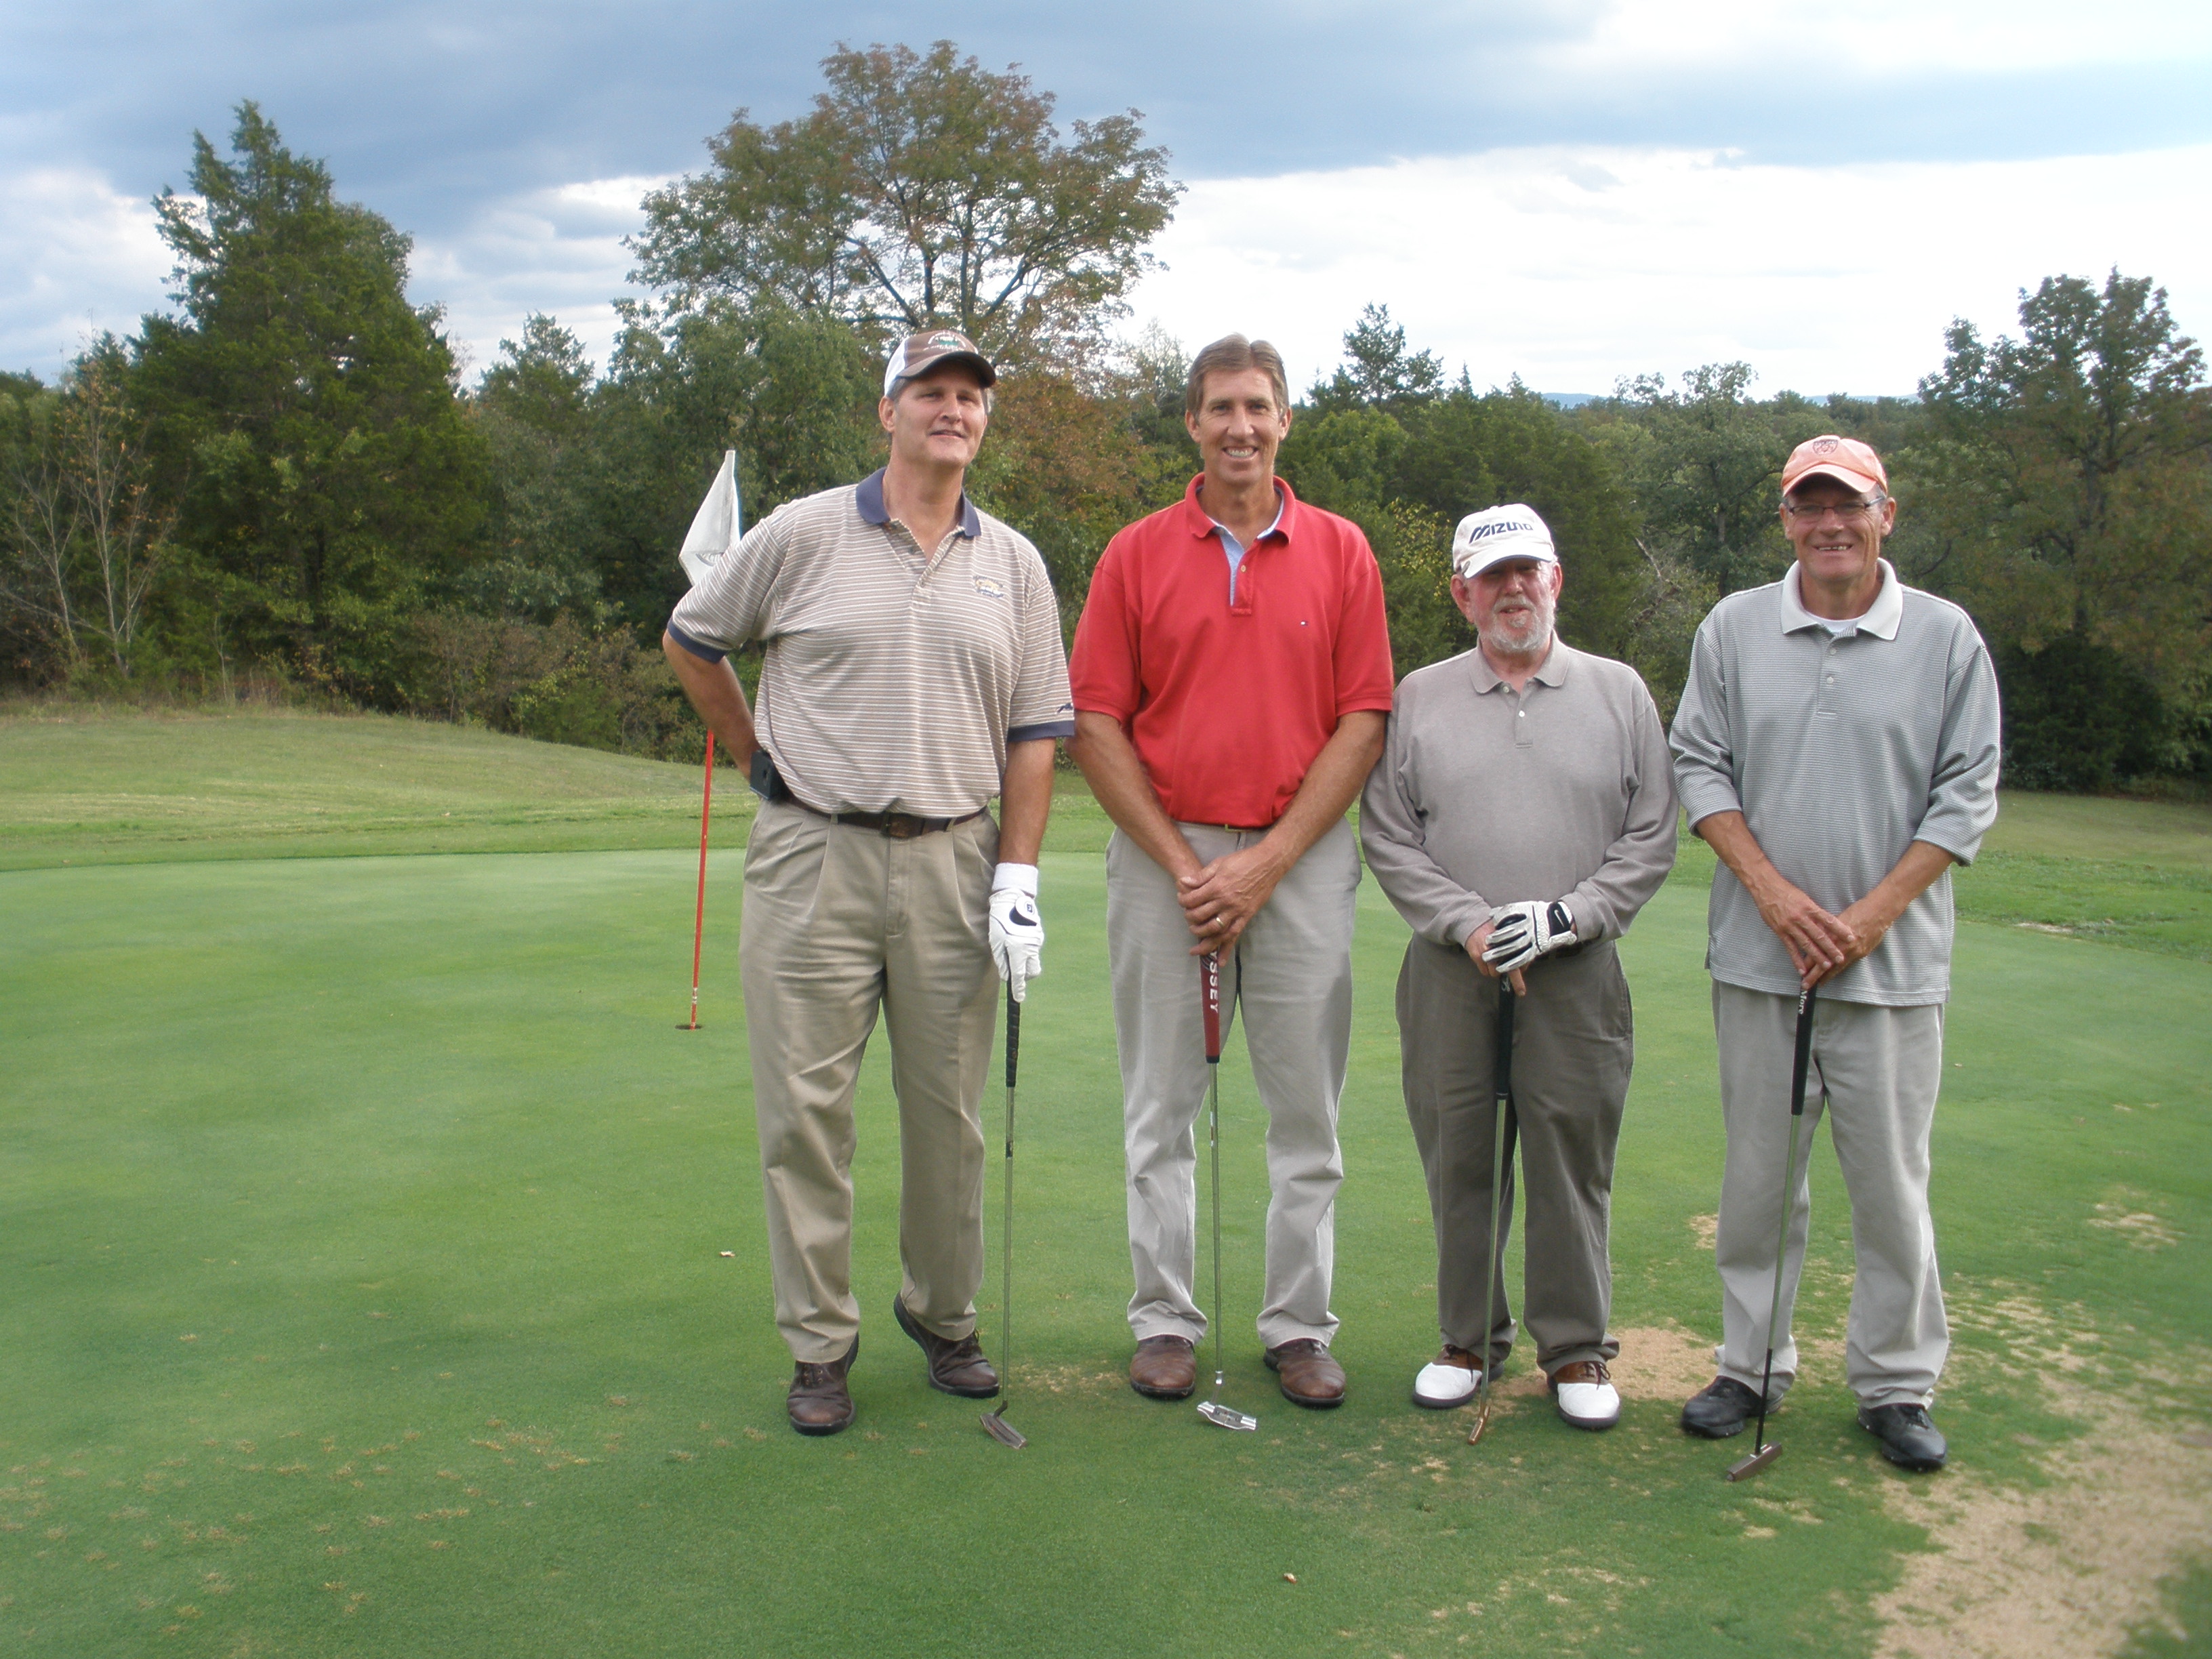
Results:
1876 1070
1291 976
837 921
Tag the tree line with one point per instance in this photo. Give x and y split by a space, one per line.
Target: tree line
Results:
281 482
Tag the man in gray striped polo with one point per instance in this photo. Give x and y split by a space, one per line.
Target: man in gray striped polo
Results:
913 669
1837 744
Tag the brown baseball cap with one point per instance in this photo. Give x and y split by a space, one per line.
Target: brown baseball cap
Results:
1846 460
918 354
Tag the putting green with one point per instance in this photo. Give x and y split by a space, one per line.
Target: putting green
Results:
365 1292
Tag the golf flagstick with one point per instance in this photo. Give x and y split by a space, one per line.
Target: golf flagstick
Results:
699 917
994 1422
1761 1453
1209 996
714 529
1501 1073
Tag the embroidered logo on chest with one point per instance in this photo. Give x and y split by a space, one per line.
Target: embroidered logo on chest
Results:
990 587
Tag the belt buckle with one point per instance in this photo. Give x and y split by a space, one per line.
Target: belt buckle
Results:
902 826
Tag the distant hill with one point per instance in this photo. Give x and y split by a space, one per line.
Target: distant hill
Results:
1569 399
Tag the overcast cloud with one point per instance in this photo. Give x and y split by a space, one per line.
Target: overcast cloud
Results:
1425 155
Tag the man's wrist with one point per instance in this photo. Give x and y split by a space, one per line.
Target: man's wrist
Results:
1015 878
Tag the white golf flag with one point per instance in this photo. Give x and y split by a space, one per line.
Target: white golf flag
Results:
715 527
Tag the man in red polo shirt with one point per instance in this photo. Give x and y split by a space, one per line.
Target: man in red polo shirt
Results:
1231 678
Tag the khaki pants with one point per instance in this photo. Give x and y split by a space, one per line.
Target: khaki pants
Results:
1876 1070
1573 1046
837 921
1292 975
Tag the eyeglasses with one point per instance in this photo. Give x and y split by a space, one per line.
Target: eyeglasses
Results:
1809 514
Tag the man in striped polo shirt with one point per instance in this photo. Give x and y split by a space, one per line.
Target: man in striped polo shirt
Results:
913 670
1232 675
1837 744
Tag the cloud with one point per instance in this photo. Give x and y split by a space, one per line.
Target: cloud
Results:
1573 267
557 251
76 258
472 124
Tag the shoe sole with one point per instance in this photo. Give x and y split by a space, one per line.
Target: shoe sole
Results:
1704 1433
908 1323
1136 1387
1592 1424
1428 1405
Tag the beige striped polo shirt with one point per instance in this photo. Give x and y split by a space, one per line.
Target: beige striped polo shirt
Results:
894 678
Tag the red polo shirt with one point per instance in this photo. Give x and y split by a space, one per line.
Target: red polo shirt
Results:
1228 704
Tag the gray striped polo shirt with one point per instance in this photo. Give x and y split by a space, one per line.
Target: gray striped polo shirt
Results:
1840 752
894 679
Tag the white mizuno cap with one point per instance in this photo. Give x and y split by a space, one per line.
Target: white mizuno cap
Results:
1497 534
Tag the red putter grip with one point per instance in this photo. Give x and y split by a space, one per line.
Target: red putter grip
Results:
1209 997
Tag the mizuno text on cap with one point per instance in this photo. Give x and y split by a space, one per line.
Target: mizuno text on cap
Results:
1499 534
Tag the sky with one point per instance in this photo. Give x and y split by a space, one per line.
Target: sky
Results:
1572 191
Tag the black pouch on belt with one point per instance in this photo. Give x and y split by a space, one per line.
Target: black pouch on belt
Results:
767 782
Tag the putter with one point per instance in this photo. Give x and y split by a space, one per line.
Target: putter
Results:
1209 990
1501 1072
1762 1454
994 1422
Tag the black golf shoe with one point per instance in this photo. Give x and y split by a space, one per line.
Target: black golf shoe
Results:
1720 1409
1909 1439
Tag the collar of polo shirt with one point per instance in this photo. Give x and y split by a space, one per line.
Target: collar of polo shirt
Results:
1552 672
868 497
1881 617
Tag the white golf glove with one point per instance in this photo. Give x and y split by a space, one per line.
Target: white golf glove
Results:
1016 926
1519 934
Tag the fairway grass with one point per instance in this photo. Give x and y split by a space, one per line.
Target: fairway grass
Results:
365 1292
383 1274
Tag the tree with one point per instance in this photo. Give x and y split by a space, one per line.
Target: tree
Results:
332 485
533 409
1706 463
2076 473
921 191
87 539
1379 371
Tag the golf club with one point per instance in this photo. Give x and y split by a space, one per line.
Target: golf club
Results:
1761 1453
994 1422
1501 1073
1209 996
699 918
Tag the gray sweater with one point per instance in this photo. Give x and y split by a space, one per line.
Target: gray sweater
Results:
1841 753
1486 798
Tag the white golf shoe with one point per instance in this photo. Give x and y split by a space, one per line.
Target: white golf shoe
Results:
1449 1380
1587 1397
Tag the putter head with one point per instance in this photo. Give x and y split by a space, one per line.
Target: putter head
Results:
1753 1464
995 1425
1227 1417
1481 1422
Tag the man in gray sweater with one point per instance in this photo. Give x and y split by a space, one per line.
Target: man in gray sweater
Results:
1837 744
1523 813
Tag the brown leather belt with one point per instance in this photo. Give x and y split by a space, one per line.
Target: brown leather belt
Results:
899 826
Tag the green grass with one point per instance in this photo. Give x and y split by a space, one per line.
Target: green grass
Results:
363 1292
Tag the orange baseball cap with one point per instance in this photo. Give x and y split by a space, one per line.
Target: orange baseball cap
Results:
1845 460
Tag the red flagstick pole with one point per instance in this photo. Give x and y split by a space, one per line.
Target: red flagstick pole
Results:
699 920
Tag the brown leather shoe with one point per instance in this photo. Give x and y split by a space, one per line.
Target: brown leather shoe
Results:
819 1402
1164 1368
1310 1375
954 1367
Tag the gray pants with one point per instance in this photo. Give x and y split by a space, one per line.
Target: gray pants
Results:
1877 1070
1292 975
1573 1046
838 923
